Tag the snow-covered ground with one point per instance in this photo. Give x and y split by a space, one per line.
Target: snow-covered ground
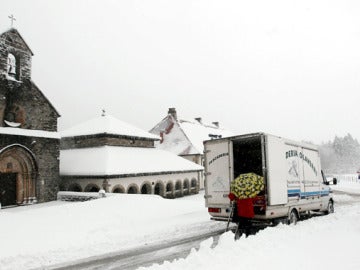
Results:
348 183
56 232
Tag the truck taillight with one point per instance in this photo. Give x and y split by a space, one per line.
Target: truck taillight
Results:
259 200
214 210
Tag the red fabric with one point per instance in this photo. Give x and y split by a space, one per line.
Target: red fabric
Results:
232 196
245 208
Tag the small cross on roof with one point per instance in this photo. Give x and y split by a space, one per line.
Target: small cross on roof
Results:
12 18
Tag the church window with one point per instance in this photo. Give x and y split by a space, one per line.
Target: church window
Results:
11 65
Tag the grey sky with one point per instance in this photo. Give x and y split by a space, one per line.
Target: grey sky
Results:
291 68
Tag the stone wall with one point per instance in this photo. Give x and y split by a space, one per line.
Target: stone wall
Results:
104 139
11 42
24 103
46 154
21 101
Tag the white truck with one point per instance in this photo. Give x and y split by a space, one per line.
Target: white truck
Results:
294 181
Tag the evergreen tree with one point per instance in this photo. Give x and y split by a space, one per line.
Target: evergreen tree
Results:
340 156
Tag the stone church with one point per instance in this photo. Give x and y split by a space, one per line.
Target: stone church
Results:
29 141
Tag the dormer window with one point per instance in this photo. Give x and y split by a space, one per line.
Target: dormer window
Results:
11 65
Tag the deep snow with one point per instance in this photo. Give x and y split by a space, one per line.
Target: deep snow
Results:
326 242
50 233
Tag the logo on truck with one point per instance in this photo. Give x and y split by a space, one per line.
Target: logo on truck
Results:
218 156
218 184
294 153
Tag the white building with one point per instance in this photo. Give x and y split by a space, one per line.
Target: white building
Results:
106 153
185 137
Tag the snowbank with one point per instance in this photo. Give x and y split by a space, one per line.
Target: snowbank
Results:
349 184
325 242
56 232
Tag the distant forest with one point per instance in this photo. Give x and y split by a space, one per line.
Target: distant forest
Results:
342 155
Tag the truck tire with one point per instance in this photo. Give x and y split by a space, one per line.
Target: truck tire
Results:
293 217
330 208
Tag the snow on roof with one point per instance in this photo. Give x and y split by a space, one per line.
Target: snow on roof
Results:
197 133
115 160
109 125
176 142
183 137
29 132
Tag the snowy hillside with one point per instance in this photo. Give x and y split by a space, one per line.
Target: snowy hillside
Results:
51 233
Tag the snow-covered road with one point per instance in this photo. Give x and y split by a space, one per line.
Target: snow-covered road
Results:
142 255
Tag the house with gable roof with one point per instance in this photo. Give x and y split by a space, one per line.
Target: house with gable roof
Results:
185 137
107 153
29 142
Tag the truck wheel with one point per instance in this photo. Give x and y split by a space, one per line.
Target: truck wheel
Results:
330 208
293 217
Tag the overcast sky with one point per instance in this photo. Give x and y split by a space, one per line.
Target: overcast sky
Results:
290 68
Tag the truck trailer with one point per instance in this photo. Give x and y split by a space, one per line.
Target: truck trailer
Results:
293 182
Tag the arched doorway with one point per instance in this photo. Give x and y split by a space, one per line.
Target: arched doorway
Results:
193 186
178 189
18 173
92 188
159 189
186 187
118 189
133 189
169 190
146 188
75 187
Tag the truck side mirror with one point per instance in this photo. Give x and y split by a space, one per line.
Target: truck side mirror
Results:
334 181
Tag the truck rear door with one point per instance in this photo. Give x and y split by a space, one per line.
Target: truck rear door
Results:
276 170
218 172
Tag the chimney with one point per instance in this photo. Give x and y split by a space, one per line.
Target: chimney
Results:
172 111
216 124
198 119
